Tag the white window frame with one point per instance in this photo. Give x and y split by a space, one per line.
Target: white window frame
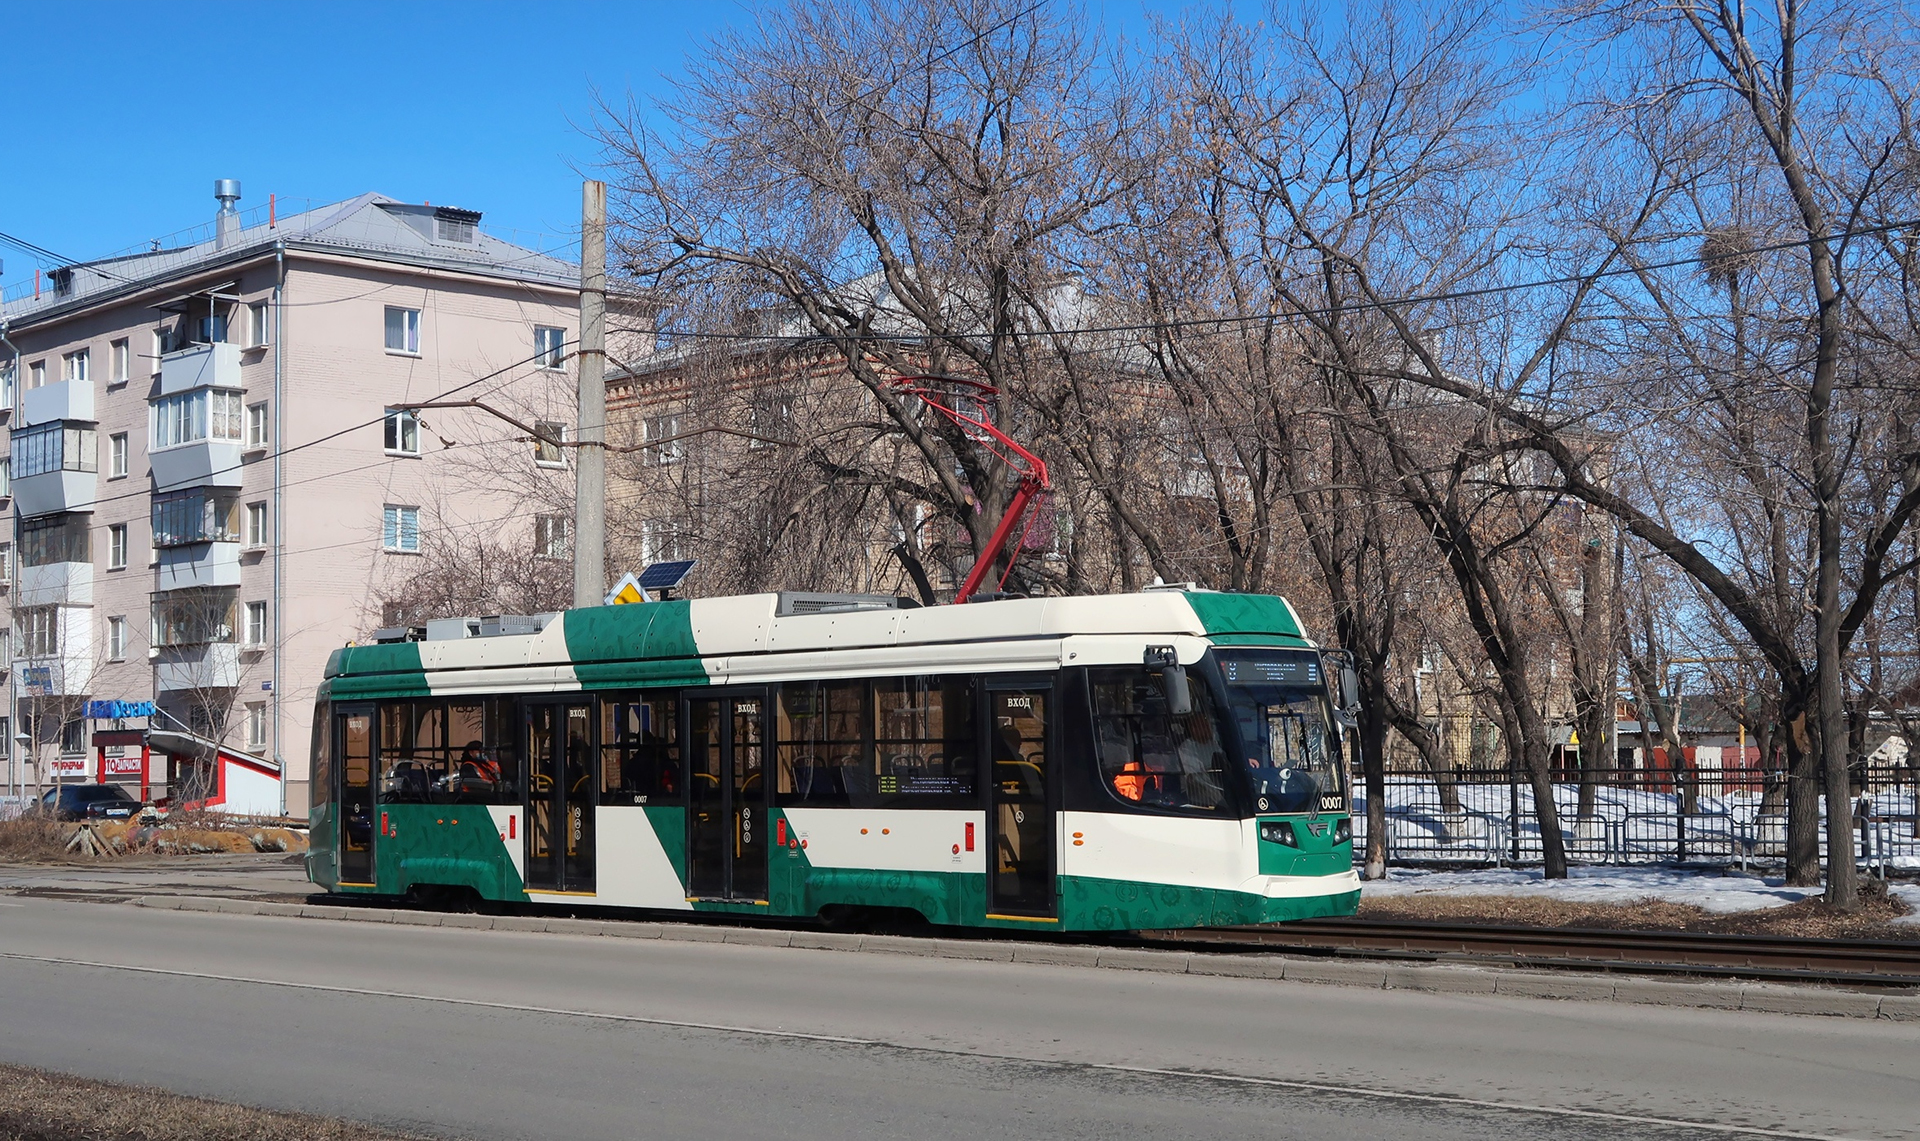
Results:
6 562
193 417
664 426
256 532
552 537
259 429
406 330
255 625
256 724
119 361
117 462
549 347
402 432
116 546
259 329
400 529
40 631
6 477
36 375
73 366
117 638
548 437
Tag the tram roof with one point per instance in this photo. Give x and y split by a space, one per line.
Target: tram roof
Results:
601 645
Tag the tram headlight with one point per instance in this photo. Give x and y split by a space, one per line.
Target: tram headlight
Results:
1343 830
1278 832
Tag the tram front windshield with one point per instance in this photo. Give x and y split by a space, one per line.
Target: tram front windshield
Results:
1279 700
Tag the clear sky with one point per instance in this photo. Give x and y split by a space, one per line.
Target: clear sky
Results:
121 114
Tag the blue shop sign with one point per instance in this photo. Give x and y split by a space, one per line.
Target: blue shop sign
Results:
118 710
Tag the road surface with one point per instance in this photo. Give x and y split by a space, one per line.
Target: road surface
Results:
509 1035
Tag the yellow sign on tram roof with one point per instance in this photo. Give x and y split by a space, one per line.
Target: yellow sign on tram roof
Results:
627 590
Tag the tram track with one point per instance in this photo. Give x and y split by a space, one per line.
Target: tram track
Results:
1858 962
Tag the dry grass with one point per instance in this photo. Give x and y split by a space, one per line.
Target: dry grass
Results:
39 1106
38 840
1810 918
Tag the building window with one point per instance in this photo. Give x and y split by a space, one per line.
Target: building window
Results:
199 515
548 435
256 425
770 419
664 427
6 384
549 346
403 432
39 631
194 416
6 476
661 541
117 639
451 225
256 623
58 446
73 366
53 539
403 330
120 361
550 534
117 456
257 316
195 616
400 529
256 524
6 563
117 546
36 374
256 724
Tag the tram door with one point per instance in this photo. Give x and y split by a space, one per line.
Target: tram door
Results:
1020 818
727 796
562 775
353 746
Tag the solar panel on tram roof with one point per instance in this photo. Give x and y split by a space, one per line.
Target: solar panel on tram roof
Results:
666 576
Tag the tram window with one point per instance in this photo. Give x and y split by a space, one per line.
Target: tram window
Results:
320 777
1148 757
821 751
923 736
436 752
640 750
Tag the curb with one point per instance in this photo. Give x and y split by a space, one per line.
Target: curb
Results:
1437 978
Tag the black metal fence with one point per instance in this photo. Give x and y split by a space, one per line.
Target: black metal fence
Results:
1729 817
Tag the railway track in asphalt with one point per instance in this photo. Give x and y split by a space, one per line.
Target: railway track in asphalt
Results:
1880 963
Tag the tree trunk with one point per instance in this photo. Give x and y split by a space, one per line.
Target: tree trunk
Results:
1373 762
1803 807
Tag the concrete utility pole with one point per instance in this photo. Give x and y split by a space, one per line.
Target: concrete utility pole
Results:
590 466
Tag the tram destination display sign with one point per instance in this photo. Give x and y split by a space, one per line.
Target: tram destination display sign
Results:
1273 669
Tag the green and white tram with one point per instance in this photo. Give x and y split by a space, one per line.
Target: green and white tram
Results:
1163 759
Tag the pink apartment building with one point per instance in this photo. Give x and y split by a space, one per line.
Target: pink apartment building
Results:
210 485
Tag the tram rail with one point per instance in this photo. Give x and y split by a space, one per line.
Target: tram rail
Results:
1879 963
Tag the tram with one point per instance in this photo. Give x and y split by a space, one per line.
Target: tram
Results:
1164 759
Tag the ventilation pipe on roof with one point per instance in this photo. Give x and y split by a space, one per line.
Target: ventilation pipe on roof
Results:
227 221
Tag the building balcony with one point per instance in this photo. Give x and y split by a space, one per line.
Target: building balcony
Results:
200 366
67 400
203 463
211 665
52 583
198 564
55 491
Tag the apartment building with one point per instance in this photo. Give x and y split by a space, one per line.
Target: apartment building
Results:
213 483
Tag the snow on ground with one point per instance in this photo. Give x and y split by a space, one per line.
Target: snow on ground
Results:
1909 894
1712 892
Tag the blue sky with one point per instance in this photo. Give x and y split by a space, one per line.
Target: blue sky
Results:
122 114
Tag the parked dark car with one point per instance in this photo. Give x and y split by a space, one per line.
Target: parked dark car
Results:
89 802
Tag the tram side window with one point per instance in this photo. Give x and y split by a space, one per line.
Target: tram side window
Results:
923 738
320 777
640 750
438 752
821 751
1149 758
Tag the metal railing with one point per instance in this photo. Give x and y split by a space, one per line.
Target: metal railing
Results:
1636 816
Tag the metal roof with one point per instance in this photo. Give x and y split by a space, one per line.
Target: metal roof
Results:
372 226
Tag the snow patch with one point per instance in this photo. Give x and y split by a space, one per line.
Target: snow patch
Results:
1712 892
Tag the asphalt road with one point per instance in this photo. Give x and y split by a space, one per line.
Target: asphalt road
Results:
498 1034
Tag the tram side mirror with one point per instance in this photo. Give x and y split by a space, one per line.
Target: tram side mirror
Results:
1173 679
1349 687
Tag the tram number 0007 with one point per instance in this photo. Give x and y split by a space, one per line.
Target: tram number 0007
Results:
1331 804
